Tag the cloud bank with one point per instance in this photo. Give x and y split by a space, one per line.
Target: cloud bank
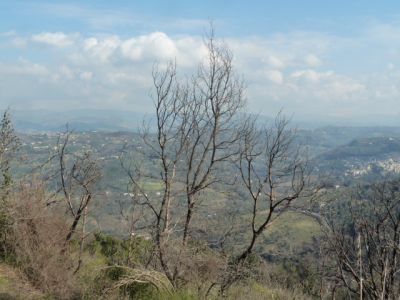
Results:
302 72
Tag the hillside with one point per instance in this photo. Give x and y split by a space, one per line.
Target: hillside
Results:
287 244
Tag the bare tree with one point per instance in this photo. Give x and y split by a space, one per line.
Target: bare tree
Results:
364 243
9 144
196 132
132 210
78 175
213 131
273 172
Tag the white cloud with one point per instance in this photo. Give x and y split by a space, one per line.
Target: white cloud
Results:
143 49
312 60
86 75
57 39
9 33
19 42
281 71
311 75
326 86
275 62
103 48
24 67
90 43
275 76
191 50
345 87
66 72
156 45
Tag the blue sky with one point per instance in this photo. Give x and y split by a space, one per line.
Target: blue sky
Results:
314 59
240 17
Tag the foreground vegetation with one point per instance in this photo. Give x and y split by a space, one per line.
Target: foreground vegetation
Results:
36 264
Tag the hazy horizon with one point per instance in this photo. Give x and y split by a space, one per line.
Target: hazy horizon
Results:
117 120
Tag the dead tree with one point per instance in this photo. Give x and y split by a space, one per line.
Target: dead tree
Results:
212 108
273 172
9 145
133 211
77 175
196 132
364 245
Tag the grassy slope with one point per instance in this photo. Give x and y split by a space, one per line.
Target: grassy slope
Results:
289 234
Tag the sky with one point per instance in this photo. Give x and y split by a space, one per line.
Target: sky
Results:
336 60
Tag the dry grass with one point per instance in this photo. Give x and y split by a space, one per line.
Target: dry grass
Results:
38 241
14 285
141 276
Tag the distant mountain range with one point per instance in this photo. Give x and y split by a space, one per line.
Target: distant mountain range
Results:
119 120
365 148
79 120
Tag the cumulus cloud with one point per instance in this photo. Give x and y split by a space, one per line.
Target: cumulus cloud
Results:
57 39
275 76
311 75
155 45
86 75
111 71
312 60
144 49
9 33
66 72
345 87
275 62
24 67
19 42
327 86
101 49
